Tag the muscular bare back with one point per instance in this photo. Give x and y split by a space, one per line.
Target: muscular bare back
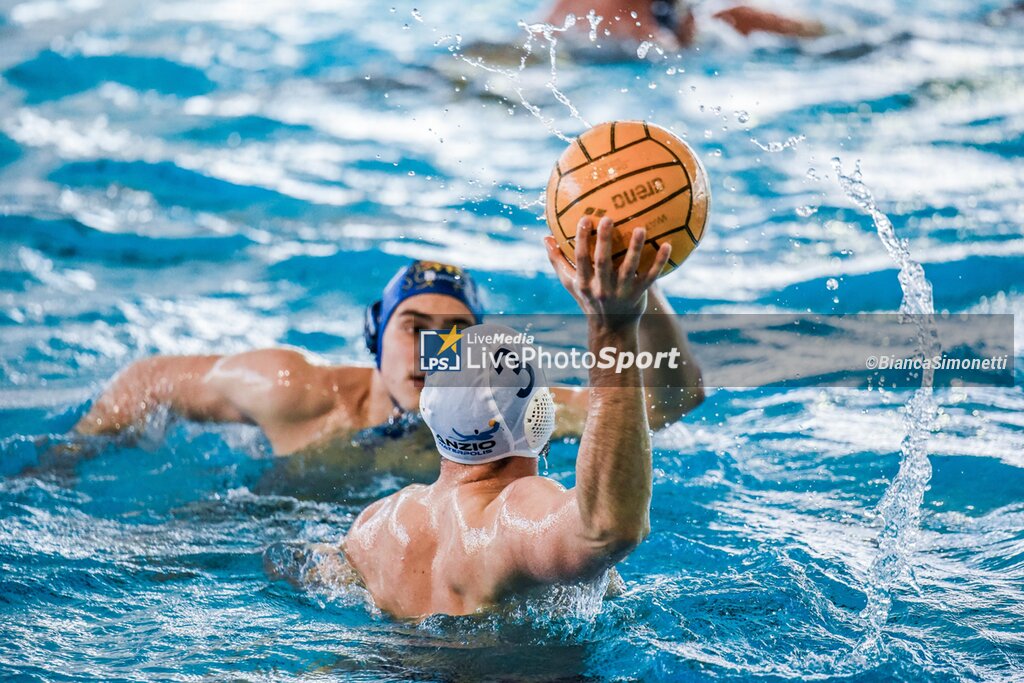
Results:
452 545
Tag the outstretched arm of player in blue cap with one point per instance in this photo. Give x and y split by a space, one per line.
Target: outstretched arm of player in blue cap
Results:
277 389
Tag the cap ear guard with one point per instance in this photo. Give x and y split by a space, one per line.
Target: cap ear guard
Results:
371 327
539 421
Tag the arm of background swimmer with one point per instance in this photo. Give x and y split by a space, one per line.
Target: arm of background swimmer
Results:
747 20
671 393
274 388
176 382
269 387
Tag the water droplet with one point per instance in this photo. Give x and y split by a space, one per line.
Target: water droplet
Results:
806 211
832 284
416 15
643 49
742 116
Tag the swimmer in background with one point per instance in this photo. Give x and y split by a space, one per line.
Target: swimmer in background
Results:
672 24
1006 16
489 528
304 406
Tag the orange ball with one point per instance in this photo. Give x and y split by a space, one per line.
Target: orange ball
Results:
640 175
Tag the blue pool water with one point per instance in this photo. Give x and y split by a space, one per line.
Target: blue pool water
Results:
194 177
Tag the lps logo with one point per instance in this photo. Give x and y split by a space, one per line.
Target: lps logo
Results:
439 350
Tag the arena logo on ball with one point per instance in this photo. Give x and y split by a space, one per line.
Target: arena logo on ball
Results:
439 350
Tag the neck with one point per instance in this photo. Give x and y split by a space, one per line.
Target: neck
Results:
498 473
378 405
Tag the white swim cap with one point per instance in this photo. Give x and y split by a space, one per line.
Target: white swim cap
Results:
498 409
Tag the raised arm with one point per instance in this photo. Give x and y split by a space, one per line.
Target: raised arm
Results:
587 529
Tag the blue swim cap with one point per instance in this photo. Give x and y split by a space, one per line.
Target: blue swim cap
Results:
419 277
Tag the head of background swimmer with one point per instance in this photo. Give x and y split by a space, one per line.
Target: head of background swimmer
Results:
677 17
495 407
424 295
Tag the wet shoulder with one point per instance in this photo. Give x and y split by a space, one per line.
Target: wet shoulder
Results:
529 489
277 383
388 516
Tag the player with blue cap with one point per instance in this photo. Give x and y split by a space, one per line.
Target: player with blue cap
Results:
419 277
299 402
303 404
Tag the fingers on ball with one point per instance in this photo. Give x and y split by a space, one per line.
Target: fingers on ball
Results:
660 261
584 264
631 262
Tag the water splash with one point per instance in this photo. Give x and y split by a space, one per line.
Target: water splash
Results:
899 510
534 33
539 201
594 19
774 147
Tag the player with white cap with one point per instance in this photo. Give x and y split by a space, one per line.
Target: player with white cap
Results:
498 409
489 526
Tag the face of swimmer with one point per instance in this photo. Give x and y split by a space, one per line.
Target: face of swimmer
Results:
399 366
